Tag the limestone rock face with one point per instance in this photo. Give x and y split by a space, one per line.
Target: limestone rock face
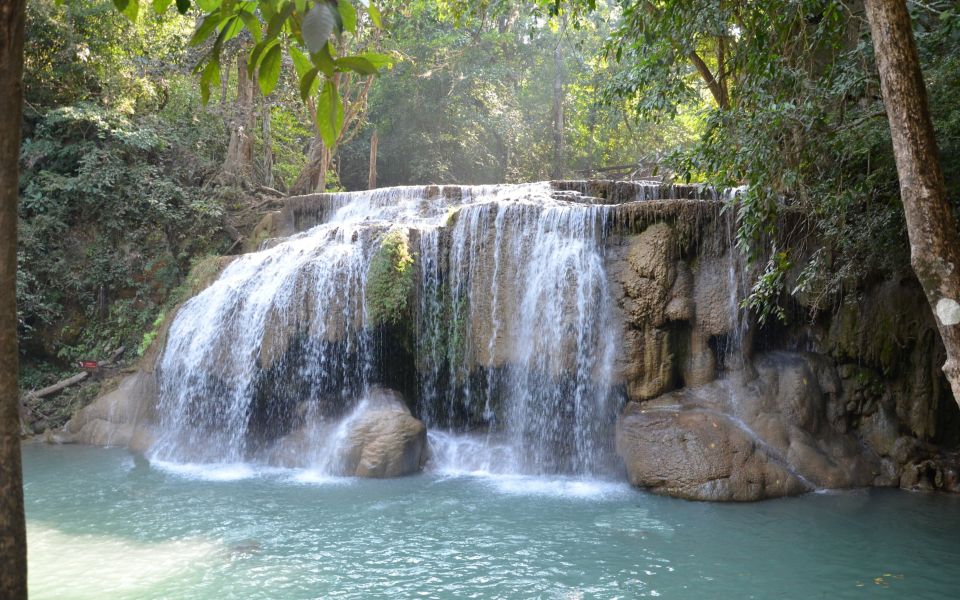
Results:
762 433
111 420
692 453
379 439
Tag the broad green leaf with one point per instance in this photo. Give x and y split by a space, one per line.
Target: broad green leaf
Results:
276 22
161 6
210 75
317 27
121 4
329 113
309 84
358 64
375 16
208 6
132 10
253 25
226 9
183 6
324 61
207 26
349 15
301 6
258 52
231 27
269 72
301 62
377 60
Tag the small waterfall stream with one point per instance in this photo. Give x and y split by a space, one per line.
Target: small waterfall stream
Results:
512 338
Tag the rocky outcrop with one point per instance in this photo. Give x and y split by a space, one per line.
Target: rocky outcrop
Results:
764 432
379 439
112 419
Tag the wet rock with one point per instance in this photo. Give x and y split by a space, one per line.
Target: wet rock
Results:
386 440
700 455
761 433
379 439
111 419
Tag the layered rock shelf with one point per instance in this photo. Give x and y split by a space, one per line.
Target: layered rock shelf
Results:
594 327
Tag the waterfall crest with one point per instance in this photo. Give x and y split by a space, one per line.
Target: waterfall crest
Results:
500 329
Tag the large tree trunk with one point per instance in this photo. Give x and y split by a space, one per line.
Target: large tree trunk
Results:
236 166
13 531
266 111
934 243
372 180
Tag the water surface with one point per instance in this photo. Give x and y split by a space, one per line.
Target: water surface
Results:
105 524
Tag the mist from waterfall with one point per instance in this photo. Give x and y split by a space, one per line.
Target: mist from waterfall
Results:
513 341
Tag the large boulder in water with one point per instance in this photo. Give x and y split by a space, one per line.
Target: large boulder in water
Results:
697 454
384 440
762 433
378 439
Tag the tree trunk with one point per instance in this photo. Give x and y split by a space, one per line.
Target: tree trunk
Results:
13 530
559 154
266 111
239 158
372 182
934 243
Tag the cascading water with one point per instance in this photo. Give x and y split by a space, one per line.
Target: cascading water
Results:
513 339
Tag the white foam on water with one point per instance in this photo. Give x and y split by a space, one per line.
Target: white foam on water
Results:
214 471
314 477
560 487
102 567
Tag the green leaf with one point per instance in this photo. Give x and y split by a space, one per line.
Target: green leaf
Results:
183 6
132 10
317 27
301 62
208 6
329 113
375 16
324 60
377 60
253 24
207 26
121 4
349 15
275 24
269 72
257 53
211 74
231 28
358 64
309 84
161 6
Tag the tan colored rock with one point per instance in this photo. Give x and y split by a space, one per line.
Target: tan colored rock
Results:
699 455
386 442
112 418
745 432
379 439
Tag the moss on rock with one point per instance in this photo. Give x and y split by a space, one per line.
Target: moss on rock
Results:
390 280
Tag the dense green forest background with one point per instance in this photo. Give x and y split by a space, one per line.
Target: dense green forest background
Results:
125 180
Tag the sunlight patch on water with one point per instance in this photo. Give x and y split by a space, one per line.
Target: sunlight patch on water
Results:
81 566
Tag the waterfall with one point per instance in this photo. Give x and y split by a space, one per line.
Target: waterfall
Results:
511 340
